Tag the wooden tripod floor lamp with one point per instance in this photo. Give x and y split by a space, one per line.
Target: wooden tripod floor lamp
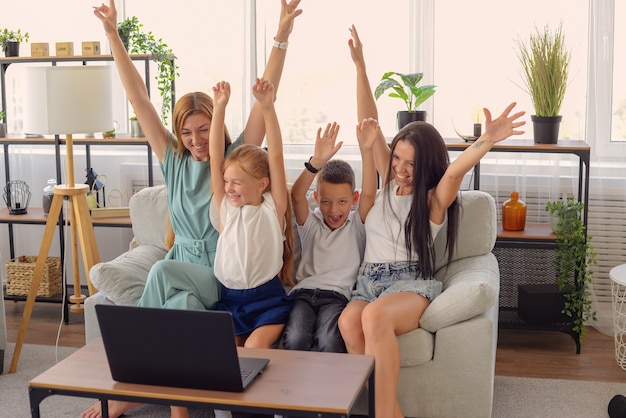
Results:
66 100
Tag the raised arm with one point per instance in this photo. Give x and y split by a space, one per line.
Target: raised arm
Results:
365 103
325 148
254 131
221 94
264 93
495 131
367 132
133 83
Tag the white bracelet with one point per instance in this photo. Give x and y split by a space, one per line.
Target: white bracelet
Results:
280 45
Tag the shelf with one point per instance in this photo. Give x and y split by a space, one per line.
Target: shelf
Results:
120 139
532 231
35 216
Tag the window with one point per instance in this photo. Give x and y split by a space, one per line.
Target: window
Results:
476 62
318 84
618 128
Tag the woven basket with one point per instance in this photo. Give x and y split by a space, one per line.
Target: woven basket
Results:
20 274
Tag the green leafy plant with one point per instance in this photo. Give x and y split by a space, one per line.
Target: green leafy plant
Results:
545 63
12 36
2 115
405 89
137 41
574 256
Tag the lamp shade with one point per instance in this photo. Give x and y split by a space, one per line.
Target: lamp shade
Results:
68 100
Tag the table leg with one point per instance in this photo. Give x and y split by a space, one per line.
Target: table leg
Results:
104 408
371 398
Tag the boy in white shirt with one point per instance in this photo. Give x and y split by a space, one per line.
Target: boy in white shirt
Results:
332 239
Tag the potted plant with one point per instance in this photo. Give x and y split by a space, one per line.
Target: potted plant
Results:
574 255
135 128
405 88
3 125
10 41
545 63
137 41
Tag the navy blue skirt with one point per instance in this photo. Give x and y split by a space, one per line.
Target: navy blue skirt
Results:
267 304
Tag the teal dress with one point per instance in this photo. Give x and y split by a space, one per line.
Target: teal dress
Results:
185 278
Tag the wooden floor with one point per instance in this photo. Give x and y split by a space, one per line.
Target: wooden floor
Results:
520 353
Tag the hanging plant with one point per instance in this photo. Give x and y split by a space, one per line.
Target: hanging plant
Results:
137 41
574 256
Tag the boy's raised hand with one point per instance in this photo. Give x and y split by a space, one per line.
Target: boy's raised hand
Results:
326 145
366 132
221 94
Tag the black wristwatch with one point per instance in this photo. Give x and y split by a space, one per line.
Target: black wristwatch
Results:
309 167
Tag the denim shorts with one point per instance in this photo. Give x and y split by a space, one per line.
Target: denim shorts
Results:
379 279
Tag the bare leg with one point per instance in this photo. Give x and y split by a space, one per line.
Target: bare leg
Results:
383 320
351 327
264 336
179 412
116 409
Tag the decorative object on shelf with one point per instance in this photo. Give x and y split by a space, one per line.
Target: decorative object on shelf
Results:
477 127
574 256
545 63
48 194
3 125
66 100
10 41
138 42
135 128
90 48
96 198
406 90
20 276
17 197
514 213
111 132
39 49
64 49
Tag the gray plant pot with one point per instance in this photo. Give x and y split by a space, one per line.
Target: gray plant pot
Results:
135 129
3 130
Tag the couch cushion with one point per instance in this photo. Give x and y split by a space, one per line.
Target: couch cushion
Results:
148 211
477 227
416 347
122 279
470 287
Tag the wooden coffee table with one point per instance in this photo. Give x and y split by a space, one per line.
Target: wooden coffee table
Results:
298 383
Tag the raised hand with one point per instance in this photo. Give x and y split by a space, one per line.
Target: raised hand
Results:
356 47
326 145
263 91
288 13
221 94
366 133
108 16
504 125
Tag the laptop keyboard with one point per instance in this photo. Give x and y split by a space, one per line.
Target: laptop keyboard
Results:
245 373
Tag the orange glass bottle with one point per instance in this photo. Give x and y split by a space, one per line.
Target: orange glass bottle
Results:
514 213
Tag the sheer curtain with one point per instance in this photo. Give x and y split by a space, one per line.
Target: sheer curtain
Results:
607 224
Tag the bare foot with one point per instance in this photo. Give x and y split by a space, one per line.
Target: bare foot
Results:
116 409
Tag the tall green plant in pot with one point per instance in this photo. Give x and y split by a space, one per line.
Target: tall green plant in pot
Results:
545 63
404 87
574 257
137 41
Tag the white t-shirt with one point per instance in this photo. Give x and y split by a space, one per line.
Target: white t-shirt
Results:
250 247
330 259
384 227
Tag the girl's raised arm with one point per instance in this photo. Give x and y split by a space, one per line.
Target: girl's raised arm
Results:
263 90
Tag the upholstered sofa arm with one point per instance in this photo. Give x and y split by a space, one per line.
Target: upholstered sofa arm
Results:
470 285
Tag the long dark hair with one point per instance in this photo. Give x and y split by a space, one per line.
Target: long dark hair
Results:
431 161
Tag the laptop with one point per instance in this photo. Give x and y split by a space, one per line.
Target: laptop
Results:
175 347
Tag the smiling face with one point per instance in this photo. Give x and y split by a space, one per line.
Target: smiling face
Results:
241 188
195 136
402 166
335 202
